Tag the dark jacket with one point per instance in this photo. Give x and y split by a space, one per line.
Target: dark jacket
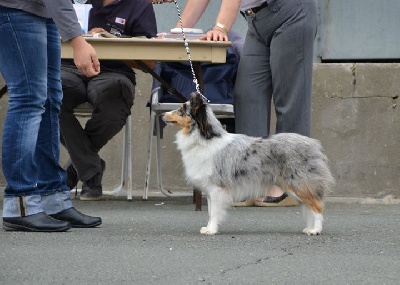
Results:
132 18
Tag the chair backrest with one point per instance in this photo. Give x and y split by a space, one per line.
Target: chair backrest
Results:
218 79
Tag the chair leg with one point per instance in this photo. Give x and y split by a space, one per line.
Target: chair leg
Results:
154 122
158 151
197 199
159 166
149 156
126 168
128 157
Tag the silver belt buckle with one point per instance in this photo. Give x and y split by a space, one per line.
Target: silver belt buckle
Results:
249 12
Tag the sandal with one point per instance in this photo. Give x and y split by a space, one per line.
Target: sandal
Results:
244 203
283 201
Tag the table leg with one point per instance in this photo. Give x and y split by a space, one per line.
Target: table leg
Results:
197 199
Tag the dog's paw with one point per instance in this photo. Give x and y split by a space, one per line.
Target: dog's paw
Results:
311 232
207 231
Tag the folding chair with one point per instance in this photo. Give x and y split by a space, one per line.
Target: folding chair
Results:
85 110
157 109
218 82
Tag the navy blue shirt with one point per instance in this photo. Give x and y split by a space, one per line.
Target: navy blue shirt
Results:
132 18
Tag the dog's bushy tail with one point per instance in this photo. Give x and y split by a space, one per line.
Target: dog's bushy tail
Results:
320 176
303 167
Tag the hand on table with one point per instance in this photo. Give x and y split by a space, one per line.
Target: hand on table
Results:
96 30
215 35
85 57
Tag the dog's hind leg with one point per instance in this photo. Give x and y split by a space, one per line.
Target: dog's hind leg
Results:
312 209
313 212
218 201
314 221
308 216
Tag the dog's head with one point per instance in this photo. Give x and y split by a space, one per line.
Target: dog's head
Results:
193 115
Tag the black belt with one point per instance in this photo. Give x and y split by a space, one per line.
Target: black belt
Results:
254 10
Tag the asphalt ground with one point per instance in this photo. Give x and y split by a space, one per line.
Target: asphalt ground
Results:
158 242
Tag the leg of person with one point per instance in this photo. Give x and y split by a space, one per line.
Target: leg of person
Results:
74 94
112 95
52 177
253 89
291 67
26 77
84 159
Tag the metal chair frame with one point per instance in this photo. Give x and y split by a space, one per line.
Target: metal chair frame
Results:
125 187
157 109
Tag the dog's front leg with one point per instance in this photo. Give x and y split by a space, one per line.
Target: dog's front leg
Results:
210 229
218 200
209 212
204 230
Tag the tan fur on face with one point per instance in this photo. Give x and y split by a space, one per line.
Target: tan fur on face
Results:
178 120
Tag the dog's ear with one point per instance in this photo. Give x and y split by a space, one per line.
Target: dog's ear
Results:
196 102
198 111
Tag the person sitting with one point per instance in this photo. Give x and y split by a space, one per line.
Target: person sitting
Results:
111 93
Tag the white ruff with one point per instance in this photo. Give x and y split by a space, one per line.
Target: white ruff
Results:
197 155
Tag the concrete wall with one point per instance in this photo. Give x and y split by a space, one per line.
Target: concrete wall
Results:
355 115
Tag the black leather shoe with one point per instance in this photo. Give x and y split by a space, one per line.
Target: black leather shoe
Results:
40 222
77 219
92 190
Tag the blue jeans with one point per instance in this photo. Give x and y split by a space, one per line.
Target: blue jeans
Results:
30 65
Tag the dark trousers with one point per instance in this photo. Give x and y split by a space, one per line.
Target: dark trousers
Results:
112 96
276 66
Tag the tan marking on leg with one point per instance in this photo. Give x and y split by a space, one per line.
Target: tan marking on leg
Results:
307 197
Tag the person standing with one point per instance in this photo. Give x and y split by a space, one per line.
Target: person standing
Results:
275 66
36 197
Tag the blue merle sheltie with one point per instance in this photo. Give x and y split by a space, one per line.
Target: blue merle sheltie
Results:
228 166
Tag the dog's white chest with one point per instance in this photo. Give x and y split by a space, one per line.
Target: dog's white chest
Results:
198 156
198 164
198 160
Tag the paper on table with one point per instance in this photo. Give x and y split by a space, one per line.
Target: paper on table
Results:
186 31
104 35
82 12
